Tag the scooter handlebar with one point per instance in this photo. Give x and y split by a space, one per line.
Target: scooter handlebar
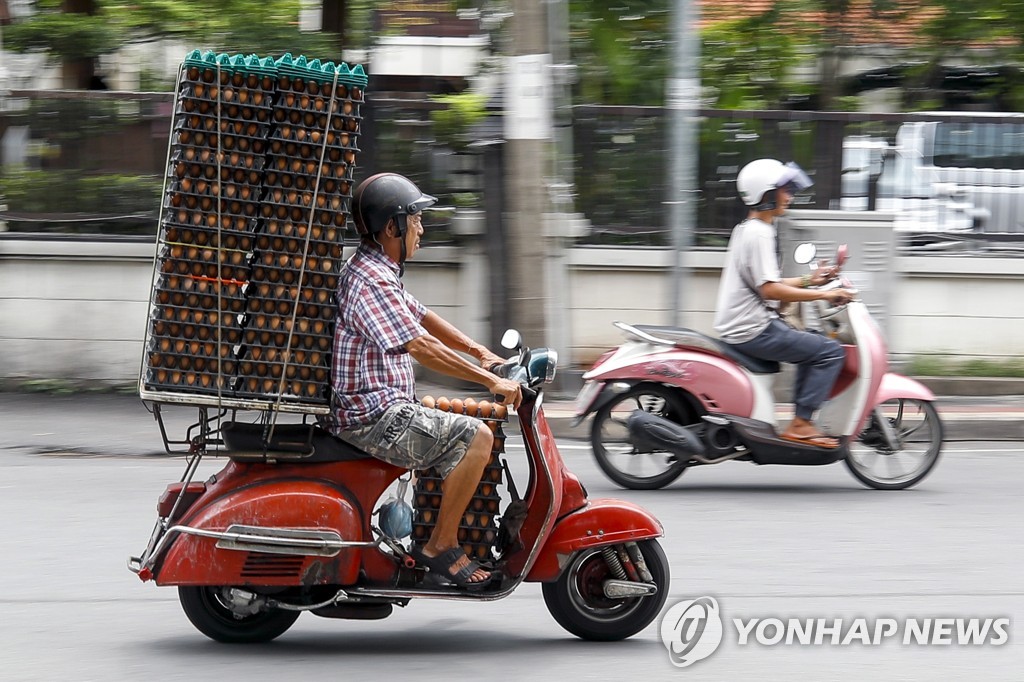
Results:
515 371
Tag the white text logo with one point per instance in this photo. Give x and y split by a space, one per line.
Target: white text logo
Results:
863 631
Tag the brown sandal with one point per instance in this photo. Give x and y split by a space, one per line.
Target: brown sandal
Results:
818 440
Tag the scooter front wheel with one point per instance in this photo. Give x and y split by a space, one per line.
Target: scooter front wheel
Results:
918 430
578 602
209 609
614 450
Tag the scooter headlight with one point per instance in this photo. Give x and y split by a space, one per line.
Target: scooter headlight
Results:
542 365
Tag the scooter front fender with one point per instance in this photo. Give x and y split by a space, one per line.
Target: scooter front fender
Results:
601 522
283 504
894 387
898 386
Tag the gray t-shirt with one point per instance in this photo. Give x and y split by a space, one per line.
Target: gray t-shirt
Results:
741 314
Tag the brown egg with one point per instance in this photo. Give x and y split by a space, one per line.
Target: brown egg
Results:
457 405
443 404
470 406
500 411
484 408
428 401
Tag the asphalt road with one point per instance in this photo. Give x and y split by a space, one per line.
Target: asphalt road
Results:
768 542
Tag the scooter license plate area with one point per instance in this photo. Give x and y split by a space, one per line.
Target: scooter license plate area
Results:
188 494
587 395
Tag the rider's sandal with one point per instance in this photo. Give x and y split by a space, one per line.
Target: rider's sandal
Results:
818 440
440 567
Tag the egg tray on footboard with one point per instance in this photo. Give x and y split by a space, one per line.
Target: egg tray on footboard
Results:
478 528
252 226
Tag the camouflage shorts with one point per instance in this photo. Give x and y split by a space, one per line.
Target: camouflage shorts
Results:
416 437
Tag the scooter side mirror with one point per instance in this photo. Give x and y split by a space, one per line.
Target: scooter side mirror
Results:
804 253
511 340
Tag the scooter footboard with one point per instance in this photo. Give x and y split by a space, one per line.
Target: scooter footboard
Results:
601 522
286 533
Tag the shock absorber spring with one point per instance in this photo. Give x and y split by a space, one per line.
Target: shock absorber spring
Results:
614 565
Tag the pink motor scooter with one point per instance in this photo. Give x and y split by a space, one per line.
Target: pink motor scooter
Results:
669 399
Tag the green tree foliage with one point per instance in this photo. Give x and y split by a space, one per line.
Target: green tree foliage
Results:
67 36
621 48
745 61
266 27
463 110
965 30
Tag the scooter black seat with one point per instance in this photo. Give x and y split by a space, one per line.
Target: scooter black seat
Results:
689 338
293 443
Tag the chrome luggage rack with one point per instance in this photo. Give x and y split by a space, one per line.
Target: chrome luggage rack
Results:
205 435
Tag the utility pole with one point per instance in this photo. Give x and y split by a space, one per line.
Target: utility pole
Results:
527 157
682 95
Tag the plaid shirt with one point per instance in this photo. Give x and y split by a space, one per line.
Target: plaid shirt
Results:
371 369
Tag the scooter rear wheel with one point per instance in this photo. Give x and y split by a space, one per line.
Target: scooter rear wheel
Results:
919 430
208 610
615 453
577 601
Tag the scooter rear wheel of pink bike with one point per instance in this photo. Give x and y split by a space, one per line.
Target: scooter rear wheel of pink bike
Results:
614 451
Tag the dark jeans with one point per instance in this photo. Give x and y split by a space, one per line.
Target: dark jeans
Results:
818 359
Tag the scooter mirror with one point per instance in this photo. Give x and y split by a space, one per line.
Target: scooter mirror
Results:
511 339
804 253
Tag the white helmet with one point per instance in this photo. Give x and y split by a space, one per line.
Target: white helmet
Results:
757 180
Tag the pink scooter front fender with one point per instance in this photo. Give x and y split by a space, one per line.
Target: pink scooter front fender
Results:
898 386
894 387
601 522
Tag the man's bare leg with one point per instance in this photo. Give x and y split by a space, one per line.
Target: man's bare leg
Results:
458 489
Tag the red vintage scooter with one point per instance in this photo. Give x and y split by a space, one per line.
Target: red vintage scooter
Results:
286 527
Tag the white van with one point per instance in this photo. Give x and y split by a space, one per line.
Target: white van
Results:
945 176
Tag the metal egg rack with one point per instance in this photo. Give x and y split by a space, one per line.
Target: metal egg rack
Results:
252 225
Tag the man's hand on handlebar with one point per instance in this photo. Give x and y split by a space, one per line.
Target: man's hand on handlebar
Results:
824 275
507 391
838 297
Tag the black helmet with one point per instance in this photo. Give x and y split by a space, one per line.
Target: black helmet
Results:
384 196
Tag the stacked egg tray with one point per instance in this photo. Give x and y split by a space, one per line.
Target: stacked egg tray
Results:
478 529
252 225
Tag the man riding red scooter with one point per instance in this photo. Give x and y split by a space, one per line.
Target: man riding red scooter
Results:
287 525
380 329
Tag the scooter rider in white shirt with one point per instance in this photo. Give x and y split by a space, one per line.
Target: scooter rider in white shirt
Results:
751 289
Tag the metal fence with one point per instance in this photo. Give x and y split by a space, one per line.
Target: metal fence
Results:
82 161
94 162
